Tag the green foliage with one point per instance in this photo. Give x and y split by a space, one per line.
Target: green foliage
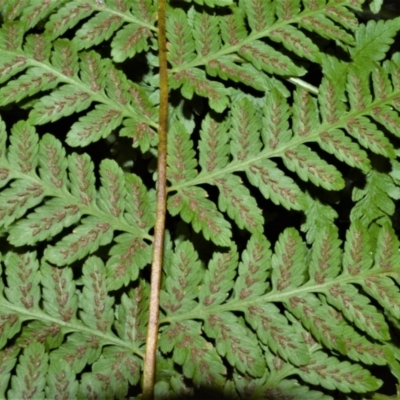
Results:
281 268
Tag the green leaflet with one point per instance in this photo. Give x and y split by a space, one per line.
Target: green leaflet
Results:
112 192
226 69
235 343
122 47
315 224
99 28
293 389
37 11
373 40
377 142
356 245
23 151
340 375
280 336
59 303
34 81
239 204
326 28
63 102
206 32
8 359
325 257
214 150
50 334
10 65
61 380
140 203
259 15
120 368
92 69
31 371
218 279
89 347
128 255
129 319
274 185
97 124
288 267
184 273
307 165
194 81
265 58
97 306
370 319
82 178
181 162
375 6
178 31
244 130
335 142
67 17
11 36
65 57
288 9
179 336
45 222
295 41
83 240
134 38
254 269
375 201
22 281
194 208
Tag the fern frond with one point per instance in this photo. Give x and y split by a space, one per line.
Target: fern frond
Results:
71 198
248 47
281 258
61 315
82 83
305 295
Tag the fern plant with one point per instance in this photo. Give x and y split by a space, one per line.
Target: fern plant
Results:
275 125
